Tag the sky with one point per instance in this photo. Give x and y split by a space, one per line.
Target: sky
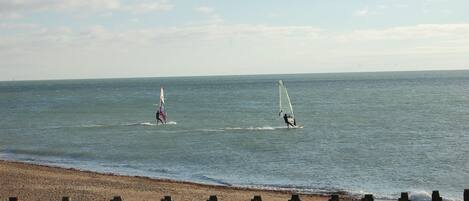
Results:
74 39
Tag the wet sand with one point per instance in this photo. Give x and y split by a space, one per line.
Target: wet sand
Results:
38 182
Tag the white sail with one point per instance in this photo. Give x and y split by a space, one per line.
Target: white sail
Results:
161 111
161 96
285 105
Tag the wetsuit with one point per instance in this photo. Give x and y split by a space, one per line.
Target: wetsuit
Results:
158 117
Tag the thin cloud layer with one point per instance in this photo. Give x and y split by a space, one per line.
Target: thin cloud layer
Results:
12 7
204 9
117 38
417 32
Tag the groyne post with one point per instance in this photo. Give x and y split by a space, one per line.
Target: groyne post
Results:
295 197
117 198
334 198
466 194
66 198
213 198
436 196
256 198
12 199
166 198
368 197
404 197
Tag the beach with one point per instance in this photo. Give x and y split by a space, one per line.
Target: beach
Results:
38 182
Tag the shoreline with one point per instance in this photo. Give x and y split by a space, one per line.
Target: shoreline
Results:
29 181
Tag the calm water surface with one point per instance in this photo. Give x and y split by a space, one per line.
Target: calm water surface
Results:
379 133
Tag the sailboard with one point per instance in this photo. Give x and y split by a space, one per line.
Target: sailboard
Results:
285 106
161 112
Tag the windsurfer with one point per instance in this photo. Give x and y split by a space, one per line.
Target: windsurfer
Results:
288 120
158 119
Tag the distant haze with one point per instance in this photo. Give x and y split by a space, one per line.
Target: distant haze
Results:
63 39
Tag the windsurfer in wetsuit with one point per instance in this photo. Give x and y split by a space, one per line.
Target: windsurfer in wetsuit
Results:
158 119
287 118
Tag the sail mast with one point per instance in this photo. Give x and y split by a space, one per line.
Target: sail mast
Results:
280 84
289 102
283 89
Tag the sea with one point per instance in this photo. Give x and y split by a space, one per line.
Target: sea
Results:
380 133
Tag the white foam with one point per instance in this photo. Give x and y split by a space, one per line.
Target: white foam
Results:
147 124
92 125
252 128
211 130
420 195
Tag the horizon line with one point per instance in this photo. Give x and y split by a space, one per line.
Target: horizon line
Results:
228 75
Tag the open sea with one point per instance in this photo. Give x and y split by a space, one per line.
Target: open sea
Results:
379 133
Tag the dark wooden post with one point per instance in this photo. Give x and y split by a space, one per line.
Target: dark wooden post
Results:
166 198
436 196
12 199
334 198
117 198
213 198
466 194
368 197
404 197
295 197
256 198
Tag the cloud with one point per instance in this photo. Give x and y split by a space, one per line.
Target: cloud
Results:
44 5
17 26
213 17
204 9
225 49
416 32
379 8
15 6
362 12
445 36
10 15
146 7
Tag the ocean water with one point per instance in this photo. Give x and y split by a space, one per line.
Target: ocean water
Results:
380 133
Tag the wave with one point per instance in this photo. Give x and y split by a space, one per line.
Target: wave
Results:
140 124
150 124
107 125
263 128
209 130
47 153
76 126
252 128
421 195
94 125
146 123
212 180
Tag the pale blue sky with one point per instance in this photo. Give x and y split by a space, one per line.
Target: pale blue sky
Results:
61 39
